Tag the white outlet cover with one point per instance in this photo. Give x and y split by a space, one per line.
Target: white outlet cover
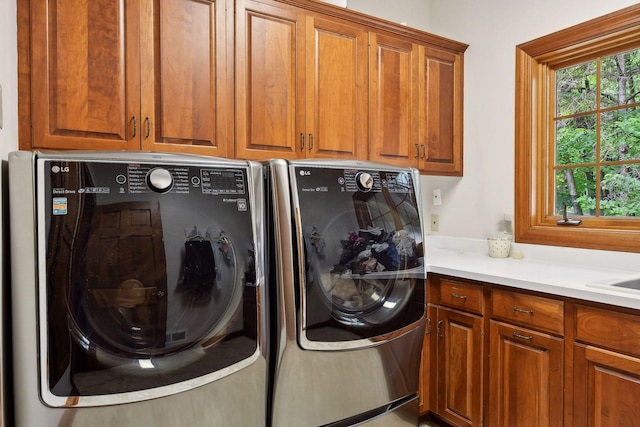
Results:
437 197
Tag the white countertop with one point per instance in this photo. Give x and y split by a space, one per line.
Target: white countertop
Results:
559 271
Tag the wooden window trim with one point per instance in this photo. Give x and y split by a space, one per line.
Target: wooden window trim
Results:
535 62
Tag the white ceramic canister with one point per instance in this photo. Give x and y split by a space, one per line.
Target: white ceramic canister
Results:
499 246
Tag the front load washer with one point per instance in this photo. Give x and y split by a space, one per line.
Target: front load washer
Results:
348 290
137 286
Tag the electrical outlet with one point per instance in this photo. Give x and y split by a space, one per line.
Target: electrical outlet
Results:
437 197
435 222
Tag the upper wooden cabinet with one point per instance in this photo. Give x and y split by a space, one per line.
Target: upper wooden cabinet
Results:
416 105
250 79
301 83
440 111
141 74
394 130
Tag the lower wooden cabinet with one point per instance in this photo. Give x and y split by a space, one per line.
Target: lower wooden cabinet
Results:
526 377
454 352
503 357
459 367
606 368
607 388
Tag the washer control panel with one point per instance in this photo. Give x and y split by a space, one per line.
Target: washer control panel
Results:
136 178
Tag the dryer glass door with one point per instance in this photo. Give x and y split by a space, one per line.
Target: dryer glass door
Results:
362 249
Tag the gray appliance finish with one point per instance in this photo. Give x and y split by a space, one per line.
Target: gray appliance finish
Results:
347 286
137 286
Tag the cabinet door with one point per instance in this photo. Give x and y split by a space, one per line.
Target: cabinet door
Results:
269 80
393 134
526 375
441 112
186 69
607 388
337 104
460 350
85 74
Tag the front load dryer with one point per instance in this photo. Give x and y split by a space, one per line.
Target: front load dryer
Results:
137 284
348 292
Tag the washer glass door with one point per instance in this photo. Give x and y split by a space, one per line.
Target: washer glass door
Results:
149 277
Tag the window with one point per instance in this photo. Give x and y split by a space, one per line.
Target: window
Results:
578 135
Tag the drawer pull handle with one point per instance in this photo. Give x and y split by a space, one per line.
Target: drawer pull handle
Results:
427 330
522 337
519 310
453 295
439 328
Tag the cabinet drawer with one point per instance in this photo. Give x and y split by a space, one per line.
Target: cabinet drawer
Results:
465 296
541 313
608 329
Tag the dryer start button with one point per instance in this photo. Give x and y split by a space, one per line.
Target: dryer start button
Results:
364 181
159 180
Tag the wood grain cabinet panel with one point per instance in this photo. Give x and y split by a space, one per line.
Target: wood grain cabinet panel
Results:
608 388
546 314
393 133
301 84
336 79
270 93
84 67
459 367
526 371
462 295
187 77
440 111
455 352
607 367
142 74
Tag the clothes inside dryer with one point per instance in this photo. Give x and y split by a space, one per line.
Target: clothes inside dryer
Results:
363 253
145 288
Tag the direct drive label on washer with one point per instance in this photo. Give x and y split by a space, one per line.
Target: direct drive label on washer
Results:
60 206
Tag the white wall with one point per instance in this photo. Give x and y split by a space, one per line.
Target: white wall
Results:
8 77
474 205
413 13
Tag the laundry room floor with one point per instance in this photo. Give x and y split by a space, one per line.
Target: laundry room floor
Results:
429 423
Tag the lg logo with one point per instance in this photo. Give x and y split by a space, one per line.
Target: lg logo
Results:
305 173
58 169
